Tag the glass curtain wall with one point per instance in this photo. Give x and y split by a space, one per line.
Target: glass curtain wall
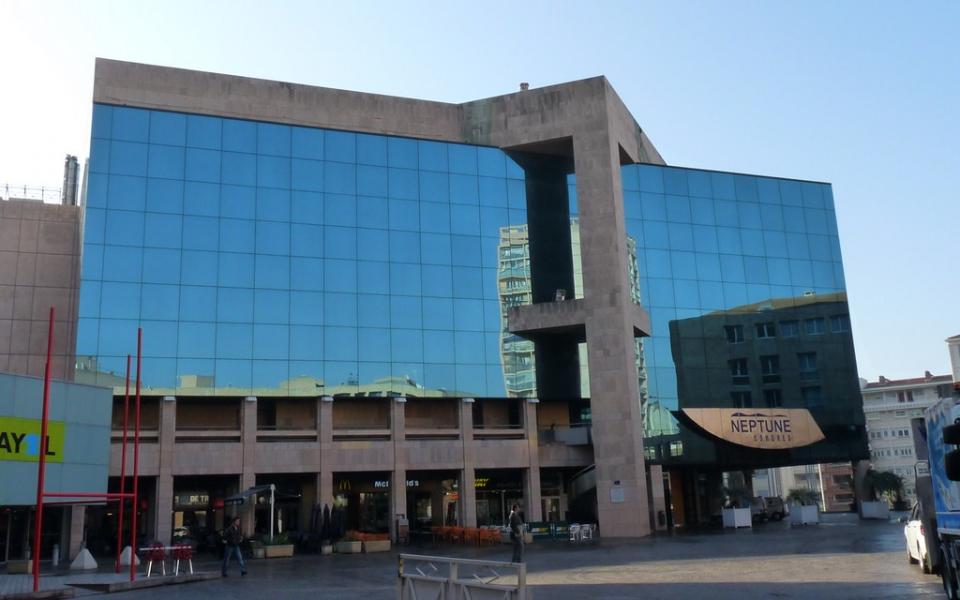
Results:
269 259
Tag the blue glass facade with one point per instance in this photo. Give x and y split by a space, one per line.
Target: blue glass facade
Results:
262 259
743 280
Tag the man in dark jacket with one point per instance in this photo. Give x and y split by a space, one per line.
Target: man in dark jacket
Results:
516 533
233 537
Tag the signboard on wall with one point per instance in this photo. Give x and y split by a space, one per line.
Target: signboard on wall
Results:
20 440
763 428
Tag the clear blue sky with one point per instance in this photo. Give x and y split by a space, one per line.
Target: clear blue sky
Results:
865 95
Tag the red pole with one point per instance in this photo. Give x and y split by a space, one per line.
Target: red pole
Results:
123 466
42 468
136 466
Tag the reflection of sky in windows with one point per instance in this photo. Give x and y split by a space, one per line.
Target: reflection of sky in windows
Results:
275 259
710 241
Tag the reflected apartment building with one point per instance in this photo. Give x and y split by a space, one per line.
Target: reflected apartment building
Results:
357 298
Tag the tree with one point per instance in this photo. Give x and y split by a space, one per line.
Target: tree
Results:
803 497
884 485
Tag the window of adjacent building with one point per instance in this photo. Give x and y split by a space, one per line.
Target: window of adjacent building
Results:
905 396
741 399
676 448
773 398
734 333
789 328
840 323
808 364
738 371
811 395
770 368
815 326
766 330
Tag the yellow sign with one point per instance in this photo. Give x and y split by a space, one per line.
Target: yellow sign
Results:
765 428
20 440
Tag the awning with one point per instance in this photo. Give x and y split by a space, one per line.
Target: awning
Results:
242 496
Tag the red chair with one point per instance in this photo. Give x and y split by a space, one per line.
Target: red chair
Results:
156 553
182 552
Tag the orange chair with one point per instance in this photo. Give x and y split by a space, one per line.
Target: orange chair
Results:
471 535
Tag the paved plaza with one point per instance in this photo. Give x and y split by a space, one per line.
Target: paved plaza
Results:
838 559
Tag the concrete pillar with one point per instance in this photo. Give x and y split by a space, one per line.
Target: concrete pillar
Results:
614 387
325 477
163 511
76 517
248 474
468 493
533 507
398 480
658 500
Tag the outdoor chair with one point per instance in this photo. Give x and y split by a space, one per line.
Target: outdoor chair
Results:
156 553
586 532
471 535
575 532
182 552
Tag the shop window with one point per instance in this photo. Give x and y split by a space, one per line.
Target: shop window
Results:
676 448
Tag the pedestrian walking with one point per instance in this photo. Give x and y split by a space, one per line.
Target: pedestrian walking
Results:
233 537
516 533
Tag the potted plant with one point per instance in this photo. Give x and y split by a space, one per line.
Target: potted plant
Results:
350 544
884 488
804 507
375 542
278 547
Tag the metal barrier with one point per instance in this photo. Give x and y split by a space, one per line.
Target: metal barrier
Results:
442 578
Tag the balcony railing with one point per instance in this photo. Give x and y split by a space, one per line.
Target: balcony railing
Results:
572 435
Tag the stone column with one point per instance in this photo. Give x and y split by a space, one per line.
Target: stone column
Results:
398 480
77 517
248 474
614 387
533 508
163 511
658 500
468 493
325 477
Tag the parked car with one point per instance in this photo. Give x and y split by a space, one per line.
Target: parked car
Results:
776 509
914 532
769 508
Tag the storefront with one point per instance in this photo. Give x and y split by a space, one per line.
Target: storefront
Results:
497 490
78 452
364 499
199 512
293 498
433 499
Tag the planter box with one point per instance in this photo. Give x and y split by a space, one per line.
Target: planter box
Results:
280 551
326 549
18 566
737 517
804 515
259 552
377 546
348 547
874 510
